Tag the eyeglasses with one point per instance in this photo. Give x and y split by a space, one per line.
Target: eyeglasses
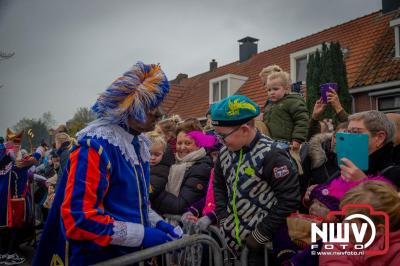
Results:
357 130
224 136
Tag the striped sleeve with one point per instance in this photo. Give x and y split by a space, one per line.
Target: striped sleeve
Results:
82 210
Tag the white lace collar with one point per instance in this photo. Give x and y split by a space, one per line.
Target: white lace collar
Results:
118 137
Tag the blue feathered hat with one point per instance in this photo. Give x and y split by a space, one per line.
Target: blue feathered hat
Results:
139 90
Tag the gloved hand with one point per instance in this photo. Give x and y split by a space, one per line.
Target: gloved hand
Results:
167 228
153 237
188 217
203 222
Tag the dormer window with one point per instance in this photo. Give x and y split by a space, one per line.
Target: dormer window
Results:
224 86
219 90
396 26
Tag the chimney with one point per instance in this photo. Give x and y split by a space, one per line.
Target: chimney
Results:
247 48
213 65
179 78
389 5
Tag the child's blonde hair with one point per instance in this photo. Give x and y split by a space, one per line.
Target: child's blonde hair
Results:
266 71
262 128
168 126
381 196
283 76
157 139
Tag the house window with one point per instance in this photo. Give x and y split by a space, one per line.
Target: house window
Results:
301 69
389 103
224 86
396 26
220 90
298 63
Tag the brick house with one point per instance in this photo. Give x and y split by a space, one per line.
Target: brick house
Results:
371 45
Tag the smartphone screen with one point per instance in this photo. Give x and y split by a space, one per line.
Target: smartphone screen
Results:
353 147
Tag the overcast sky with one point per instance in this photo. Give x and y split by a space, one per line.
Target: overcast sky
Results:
67 52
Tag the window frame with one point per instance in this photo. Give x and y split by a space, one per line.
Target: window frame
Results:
395 24
233 84
388 110
219 82
299 55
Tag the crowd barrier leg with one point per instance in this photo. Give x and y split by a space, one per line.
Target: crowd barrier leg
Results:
142 255
244 256
212 229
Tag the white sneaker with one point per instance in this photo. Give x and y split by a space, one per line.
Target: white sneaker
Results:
14 259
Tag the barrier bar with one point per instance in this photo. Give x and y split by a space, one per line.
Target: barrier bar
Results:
148 253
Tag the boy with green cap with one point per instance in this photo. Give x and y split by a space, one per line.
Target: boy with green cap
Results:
256 185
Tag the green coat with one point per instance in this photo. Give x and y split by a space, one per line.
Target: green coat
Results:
287 119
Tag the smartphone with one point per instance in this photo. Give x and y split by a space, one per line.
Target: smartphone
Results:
324 89
353 147
296 87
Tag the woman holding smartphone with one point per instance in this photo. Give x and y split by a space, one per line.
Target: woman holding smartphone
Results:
381 132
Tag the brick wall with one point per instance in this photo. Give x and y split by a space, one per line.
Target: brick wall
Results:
362 102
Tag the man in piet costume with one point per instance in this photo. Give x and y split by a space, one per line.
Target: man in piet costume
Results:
101 208
16 208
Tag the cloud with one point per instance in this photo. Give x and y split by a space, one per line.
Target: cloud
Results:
69 51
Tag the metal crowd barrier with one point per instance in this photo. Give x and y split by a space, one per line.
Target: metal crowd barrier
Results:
244 256
214 231
142 255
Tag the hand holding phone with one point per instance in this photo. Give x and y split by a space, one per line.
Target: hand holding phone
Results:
325 88
350 172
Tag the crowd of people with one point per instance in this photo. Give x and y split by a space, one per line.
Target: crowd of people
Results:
259 175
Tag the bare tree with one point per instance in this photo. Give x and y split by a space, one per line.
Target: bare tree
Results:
5 55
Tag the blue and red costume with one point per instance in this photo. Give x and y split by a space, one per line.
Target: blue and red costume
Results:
101 210
91 206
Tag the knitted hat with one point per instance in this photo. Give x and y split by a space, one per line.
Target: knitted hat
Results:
140 89
322 194
234 111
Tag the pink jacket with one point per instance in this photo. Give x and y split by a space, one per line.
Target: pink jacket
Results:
210 202
392 258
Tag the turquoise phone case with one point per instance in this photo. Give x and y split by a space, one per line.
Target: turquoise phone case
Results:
353 147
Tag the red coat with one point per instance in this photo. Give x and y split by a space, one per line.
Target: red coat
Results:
392 258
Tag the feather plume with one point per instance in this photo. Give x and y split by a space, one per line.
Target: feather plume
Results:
236 106
139 90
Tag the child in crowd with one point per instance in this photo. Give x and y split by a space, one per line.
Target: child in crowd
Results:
286 114
320 200
159 164
255 184
265 72
381 197
168 130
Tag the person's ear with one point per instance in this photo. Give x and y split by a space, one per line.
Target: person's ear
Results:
380 138
245 128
